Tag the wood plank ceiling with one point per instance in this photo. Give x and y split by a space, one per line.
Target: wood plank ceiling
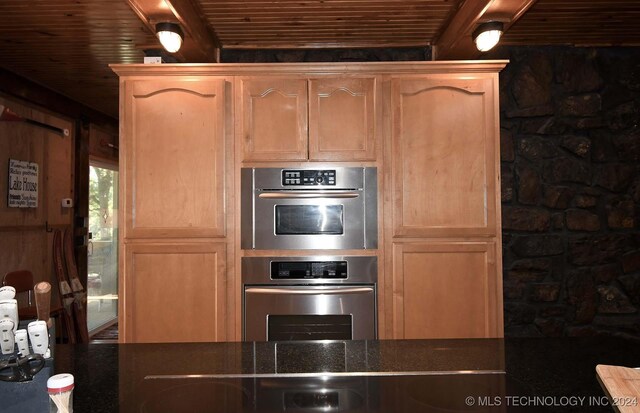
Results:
326 23
578 23
66 45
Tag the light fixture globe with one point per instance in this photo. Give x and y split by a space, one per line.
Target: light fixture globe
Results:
487 35
170 36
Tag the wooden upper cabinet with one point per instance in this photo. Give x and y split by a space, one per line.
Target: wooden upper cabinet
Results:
444 167
446 290
342 116
174 154
273 119
294 119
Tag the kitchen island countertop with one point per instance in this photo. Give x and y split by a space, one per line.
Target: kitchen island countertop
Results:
516 374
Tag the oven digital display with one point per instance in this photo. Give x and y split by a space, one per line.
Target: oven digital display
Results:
303 177
298 270
309 220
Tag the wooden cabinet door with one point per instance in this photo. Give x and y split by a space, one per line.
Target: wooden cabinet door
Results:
446 290
443 156
342 116
174 292
273 119
173 163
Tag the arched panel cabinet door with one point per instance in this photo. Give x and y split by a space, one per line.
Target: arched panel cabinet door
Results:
444 159
173 150
342 119
272 123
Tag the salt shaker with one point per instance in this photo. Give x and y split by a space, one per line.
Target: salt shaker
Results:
60 388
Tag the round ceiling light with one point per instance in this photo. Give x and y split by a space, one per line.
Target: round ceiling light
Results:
487 35
170 36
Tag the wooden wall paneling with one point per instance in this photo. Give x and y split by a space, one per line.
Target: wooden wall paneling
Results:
103 143
342 119
56 170
272 119
174 168
25 143
60 170
81 198
446 290
53 154
25 250
24 243
176 292
443 156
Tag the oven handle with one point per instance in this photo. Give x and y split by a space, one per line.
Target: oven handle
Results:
307 194
308 291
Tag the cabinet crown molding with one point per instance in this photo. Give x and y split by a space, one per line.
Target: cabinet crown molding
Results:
218 69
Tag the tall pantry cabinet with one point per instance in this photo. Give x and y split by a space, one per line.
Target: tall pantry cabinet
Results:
431 128
443 238
174 242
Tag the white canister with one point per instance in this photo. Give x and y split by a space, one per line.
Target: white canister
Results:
60 388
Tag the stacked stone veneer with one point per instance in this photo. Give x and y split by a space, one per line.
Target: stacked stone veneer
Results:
570 152
326 55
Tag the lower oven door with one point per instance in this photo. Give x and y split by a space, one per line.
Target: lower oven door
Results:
309 313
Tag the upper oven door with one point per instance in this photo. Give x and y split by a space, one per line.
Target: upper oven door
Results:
309 220
339 217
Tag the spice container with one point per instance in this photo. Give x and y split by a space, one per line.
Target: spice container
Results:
60 388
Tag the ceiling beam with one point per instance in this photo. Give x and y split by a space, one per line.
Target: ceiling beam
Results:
27 90
455 42
193 21
200 43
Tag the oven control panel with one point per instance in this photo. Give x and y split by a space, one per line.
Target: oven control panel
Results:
299 270
304 177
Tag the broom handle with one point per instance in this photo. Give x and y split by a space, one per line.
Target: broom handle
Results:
64 132
43 301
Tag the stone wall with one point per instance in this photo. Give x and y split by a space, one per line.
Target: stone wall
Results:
570 146
326 55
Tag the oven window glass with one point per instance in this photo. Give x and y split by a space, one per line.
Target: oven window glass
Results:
309 327
309 220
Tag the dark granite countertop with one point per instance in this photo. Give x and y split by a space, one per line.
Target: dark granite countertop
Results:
555 375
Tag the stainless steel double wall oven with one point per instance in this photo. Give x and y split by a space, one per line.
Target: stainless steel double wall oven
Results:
313 297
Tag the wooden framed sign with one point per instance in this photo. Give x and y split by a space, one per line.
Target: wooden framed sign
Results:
23 184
